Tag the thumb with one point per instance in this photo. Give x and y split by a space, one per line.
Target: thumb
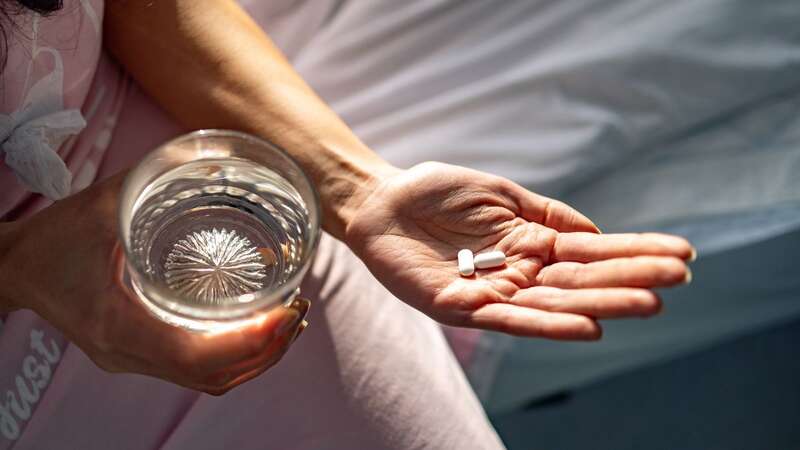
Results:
301 306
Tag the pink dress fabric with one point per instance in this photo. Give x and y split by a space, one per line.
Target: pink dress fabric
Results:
369 373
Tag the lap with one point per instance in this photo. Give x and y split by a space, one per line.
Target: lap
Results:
368 372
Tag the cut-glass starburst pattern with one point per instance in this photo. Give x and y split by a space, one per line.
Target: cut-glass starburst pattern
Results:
209 266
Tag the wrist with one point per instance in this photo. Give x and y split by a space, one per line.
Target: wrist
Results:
345 188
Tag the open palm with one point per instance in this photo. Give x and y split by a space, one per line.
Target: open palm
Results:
560 273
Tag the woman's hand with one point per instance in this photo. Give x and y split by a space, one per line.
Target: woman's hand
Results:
560 273
408 230
65 264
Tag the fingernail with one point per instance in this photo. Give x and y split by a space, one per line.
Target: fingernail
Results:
693 256
300 329
302 306
688 278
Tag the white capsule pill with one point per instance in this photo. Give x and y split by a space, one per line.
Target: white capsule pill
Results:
465 265
489 259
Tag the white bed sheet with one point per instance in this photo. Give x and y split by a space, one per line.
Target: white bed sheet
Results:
681 116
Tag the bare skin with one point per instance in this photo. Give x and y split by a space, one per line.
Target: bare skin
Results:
211 66
560 276
70 275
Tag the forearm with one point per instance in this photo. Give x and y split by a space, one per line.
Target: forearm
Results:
211 66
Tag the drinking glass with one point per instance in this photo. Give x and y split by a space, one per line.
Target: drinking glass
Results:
218 227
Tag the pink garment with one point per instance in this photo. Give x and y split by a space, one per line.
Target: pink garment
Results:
369 373
66 49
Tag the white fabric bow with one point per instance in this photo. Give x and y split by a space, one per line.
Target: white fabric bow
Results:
31 151
31 135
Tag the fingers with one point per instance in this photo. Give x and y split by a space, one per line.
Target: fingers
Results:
130 339
302 327
563 218
548 212
588 247
603 303
526 322
203 353
273 355
247 343
232 376
229 378
277 346
639 271
204 361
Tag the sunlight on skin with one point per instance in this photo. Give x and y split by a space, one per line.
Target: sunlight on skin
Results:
560 274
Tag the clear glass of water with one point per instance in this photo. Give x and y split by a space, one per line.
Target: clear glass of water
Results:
218 227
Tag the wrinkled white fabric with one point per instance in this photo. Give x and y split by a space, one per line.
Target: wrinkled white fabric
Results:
641 113
644 114
30 150
31 135
369 373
